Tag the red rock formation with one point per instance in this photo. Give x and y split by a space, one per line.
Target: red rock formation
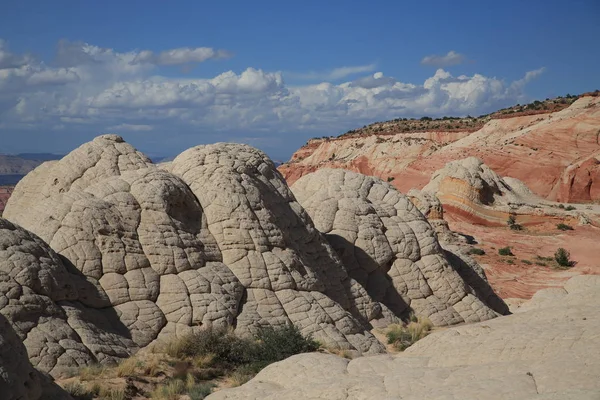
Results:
556 154
5 192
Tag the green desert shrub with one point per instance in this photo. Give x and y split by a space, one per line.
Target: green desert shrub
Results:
477 251
563 258
564 227
227 351
505 251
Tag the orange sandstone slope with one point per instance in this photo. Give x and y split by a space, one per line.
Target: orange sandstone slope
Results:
556 154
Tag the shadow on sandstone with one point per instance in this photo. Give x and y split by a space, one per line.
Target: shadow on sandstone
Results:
474 276
362 268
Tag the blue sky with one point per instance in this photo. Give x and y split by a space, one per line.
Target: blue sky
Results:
168 76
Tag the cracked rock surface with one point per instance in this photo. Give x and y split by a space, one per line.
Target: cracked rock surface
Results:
106 253
18 379
119 253
388 247
549 349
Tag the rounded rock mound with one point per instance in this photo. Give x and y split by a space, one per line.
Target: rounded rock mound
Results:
388 246
123 253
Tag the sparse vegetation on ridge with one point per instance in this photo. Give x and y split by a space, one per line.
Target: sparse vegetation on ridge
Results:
468 123
505 251
190 364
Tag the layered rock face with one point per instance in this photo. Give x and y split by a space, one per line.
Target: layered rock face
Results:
471 191
549 349
388 246
557 154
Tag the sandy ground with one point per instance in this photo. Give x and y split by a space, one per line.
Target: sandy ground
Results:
520 279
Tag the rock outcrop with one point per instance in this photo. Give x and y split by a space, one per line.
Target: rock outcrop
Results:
557 155
549 349
112 253
388 246
469 190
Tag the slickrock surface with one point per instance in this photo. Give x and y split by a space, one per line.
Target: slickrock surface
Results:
521 276
548 349
557 155
389 247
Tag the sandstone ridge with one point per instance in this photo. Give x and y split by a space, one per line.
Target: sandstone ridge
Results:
556 154
106 252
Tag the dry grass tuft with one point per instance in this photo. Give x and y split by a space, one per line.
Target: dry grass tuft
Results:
128 367
91 372
404 336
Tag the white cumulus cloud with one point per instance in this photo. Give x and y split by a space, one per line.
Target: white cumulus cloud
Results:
96 89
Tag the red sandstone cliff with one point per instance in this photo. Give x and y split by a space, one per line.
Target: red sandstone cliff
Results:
556 154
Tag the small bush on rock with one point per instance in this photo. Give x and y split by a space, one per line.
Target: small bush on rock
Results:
475 250
563 258
227 351
512 223
505 251
564 227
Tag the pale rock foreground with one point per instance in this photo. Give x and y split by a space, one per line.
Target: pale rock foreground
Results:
113 253
550 349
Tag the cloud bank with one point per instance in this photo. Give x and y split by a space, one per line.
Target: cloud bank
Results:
104 90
